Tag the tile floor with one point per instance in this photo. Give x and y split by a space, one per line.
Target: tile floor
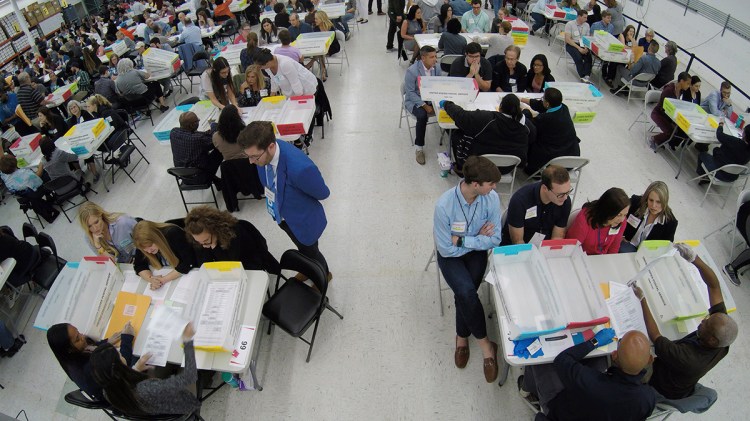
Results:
392 355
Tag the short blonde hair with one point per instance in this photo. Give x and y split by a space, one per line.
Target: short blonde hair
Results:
255 69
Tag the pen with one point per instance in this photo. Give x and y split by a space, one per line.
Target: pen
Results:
556 338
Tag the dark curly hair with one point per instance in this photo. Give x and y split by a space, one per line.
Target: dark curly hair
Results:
218 223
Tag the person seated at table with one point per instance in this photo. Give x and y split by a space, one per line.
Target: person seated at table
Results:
132 82
297 6
27 259
216 84
310 17
475 20
731 151
539 211
72 349
323 24
281 20
574 388
57 163
555 133
671 90
126 39
224 139
439 23
297 27
286 48
411 26
134 393
100 107
287 76
627 38
509 75
461 250
668 66
537 14
646 39
451 41
52 125
538 75
204 21
718 102
413 102
113 60
599 226
680 364
191 34
8 117
473 66
159 245
29 98
503 132
648 63
241 37
77 113
105 86
27 183
268 32
107 233
254 88
221 237
649 218
500 39
694 93
247 55
194 149
605 24
582 57
156 28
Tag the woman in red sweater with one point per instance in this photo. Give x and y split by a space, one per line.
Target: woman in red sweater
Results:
599 225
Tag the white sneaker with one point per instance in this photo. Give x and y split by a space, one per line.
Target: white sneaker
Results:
585 79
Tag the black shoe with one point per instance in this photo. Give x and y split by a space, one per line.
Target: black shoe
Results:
51 217
217 182
168 93
308 139
404 56
732 274
163 108
703 182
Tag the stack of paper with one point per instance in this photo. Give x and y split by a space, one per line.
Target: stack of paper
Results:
83 136
161 62
26 149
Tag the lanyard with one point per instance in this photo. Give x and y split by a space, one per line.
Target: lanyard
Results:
599 245
468 222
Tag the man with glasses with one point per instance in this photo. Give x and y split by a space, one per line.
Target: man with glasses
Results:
241 38
539 211
473 66
475 20
717 102
293 185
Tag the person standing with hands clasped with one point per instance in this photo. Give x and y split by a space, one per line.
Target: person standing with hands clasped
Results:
466 225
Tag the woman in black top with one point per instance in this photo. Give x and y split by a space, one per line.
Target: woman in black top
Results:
254 88
53 125
649 218
694 93
159 245
77 114
538 74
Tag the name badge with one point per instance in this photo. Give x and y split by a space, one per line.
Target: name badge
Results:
634 221
614 230
458 227
471 21
530 213
576 33
270 202
264 92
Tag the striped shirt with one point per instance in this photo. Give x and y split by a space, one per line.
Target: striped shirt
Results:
30 100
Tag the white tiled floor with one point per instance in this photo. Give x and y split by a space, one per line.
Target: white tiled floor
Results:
392 355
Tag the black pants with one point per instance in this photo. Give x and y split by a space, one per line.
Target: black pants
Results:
40 205
380 6
154 91
312 251
394 28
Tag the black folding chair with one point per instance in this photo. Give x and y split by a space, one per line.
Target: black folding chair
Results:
191 179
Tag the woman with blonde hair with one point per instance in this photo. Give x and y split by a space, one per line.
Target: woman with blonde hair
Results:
108 233
159 245
100 107
323 24
253 89
650 218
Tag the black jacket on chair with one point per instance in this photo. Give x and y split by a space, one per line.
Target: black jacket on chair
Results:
555 137
658 231
248 246
180 246
239 176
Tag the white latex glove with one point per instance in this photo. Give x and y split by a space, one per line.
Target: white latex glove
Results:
686 252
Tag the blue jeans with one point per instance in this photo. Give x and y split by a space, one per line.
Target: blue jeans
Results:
421 128
708 160
496 6
539 21
6 337
582 61
464 275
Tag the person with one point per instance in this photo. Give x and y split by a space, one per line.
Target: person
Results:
538 75
105 86
286 49
52 125
113 60
296 6
732 151
413 25
430 10
100 107
412 97
134 393
627 37
8 105
647 38
660 118
475 20
204 21
287 76
10 342
500 39
555 133
77 113
439 23
581 56
680 364
159 245
537 14
615 9
451 41
156 28
247 55
395 17
293 185
323 24
649 218
380 7
473 66
216 84
297 27
224 139
221 237
595 12
668 66
462 241
29 98
268 32
131 82
107 233
281 20
191 34
648 63
509 75
27 259
194 149
57 162
242 35
460 7
253 89
503 132
27 183
605 24
574 388
539 211
718 102
599 225
694 93
72 349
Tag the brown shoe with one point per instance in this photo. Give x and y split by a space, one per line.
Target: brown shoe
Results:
461 356
330 277
490 366
301 277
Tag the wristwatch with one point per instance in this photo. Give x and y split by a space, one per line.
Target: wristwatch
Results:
594 342
460 242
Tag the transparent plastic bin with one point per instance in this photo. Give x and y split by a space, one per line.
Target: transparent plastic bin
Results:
576 94
296 115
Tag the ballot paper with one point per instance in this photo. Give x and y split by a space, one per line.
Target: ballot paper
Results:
626 313
185 289
651 264
167 321
158 295
216 314
132 280
158 345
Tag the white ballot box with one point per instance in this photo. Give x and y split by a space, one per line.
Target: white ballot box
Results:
161 62
84 138
26 149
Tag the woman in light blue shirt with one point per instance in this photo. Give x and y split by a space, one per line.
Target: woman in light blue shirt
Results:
108 233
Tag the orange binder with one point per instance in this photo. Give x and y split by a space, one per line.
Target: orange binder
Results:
131 308
637 53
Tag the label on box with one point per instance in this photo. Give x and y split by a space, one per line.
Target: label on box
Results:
241 352
669 107
583 117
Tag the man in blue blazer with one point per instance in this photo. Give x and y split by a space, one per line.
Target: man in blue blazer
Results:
293 185
412 97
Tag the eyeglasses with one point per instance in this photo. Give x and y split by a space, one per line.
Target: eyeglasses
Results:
561 195
208 242
254 158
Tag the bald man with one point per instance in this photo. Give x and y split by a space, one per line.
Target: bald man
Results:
680 364
195 149
574 388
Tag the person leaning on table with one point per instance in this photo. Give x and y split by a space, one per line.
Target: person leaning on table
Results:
599 226
732 151
540 209
158 245
649 218
680 364
466 225
672 90
473 66
287 76
217 85
108 233
717 102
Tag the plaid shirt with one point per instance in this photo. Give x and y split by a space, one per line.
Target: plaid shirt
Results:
84 80
190 149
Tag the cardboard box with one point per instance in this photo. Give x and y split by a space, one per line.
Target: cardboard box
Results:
161 62
673 106
63 93
82 137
